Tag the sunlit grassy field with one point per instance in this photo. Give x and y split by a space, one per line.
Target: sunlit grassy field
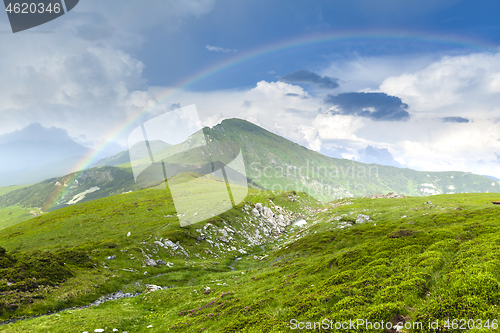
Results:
415 260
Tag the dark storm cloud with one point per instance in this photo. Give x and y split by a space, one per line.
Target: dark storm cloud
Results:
377 106
455 120
381 156
305 76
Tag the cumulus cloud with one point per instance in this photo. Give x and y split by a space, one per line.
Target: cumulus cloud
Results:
465 84
376 106
219 49
305 76
274 89
454 120
92 84
82 88
331 127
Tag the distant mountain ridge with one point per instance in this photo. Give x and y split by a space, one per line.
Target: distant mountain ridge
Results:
36 153
272 163
124 156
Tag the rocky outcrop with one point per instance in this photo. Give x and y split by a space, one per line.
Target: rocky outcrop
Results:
362 218
259 224
150 262
151 288
275 222
175 248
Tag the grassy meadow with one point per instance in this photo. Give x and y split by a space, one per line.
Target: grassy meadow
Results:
417 260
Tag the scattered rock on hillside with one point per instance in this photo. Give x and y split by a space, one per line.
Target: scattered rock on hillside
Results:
224 233
150 262
170 244
151 288
160 262
111 257
112 297
255 212
344 224
362 218
267 212
222 239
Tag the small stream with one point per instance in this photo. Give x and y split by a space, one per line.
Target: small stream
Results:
105 298
99 301
234 263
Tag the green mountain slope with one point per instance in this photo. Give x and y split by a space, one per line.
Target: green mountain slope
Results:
329 178
272 162
73 188
278 164
405 260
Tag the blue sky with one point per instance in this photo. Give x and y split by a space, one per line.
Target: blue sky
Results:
412 83
247 25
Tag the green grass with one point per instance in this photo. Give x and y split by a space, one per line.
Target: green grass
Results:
14 214
414 260
7 189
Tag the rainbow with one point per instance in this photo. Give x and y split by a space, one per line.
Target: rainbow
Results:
266 50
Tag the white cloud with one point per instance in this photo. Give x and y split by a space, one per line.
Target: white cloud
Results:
83 88
337 126
468 84
459 86
278 89
219 49
80 77
311 136
212 120
267 104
